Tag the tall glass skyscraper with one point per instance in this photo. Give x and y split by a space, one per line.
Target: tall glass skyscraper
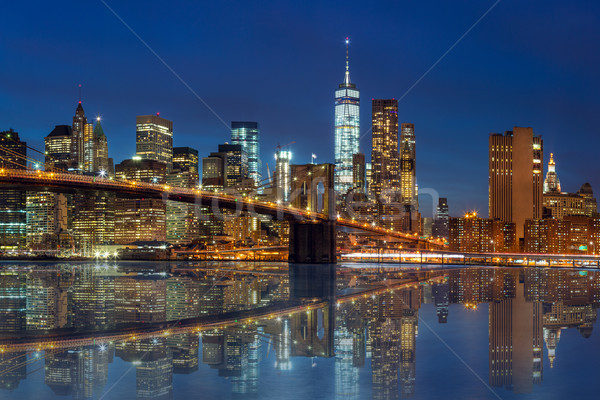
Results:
347 129
247 134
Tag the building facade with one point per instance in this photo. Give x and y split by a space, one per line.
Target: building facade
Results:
141 219
440 223
102 164
183 225
77 139
247 134
236 164
13 218
408 166
385 173
186 159
471 234
58 148
283 175
515 177
359 173
141 170
154 139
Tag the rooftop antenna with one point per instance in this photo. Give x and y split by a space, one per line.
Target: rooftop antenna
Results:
80 93
347 75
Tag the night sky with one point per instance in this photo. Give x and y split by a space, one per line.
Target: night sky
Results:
531 63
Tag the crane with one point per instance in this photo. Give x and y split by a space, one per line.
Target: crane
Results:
279 147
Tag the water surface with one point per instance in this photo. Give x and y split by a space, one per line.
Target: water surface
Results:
268 331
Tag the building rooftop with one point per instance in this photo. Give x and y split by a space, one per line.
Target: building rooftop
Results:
61 130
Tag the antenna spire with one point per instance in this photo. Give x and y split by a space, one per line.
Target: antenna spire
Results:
80 93
347 75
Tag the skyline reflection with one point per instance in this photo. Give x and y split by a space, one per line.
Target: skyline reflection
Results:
363 342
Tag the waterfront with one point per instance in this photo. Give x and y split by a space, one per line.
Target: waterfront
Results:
236 330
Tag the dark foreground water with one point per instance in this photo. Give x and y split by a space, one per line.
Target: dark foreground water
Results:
100 331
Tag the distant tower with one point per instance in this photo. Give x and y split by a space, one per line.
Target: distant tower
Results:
100 149
408 164
246 134
88 147
385 174
551 183
440 225
77 138
283 174
347 129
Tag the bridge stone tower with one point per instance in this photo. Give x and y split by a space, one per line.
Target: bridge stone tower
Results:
312 190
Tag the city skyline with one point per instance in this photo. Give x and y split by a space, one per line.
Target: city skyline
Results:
563 89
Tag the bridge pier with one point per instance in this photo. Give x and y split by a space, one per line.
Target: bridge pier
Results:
312 242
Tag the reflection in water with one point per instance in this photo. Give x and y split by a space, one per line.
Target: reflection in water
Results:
363 324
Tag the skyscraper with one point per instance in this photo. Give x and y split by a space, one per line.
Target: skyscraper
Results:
515 177
77 138
154 139
88 147
213 172
385 174
440 224
12 202
237 164
347 129
101 162
185 159
359 173
283 176
58 148
408 164
247 134
551 183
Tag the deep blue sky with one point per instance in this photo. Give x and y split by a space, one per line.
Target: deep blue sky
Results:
531 63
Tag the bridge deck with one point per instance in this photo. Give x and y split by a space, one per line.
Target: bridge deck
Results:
72 183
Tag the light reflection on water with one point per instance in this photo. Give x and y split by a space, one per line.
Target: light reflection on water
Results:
268 331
